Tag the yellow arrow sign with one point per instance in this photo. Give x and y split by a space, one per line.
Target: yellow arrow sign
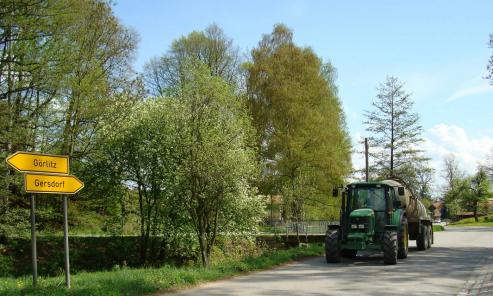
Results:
38 183
40 163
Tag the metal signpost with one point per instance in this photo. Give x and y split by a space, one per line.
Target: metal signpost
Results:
45 173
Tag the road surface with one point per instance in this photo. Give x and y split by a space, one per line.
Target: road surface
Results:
459 263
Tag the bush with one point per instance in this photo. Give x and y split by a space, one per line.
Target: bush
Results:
86 254
95 253
6 263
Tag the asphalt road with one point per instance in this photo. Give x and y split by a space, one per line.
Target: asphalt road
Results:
459 263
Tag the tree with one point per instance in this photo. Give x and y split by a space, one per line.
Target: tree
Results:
299 121
211 46
451 170
102 50
454 197
140 152
395 130
218 162
480 191
456 184
424 181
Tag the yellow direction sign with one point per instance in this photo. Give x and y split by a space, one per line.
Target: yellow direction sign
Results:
39 163
59 184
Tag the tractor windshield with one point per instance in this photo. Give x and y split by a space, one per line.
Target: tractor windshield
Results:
368 198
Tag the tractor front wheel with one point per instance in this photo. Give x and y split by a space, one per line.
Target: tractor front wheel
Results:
332 252
390 247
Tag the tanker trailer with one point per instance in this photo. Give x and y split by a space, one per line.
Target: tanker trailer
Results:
378 216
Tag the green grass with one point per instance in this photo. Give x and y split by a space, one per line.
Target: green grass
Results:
148 280
437 228
483 221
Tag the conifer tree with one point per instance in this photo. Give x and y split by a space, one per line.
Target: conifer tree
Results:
395 131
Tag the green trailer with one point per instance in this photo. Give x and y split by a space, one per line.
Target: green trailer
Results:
379 216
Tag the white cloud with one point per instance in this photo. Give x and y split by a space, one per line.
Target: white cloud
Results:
472 87
443 139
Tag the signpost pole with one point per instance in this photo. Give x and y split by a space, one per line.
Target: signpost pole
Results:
65 236
33 241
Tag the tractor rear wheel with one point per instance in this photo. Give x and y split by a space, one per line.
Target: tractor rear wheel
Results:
390 247
348 253
332 253
403 241
421 239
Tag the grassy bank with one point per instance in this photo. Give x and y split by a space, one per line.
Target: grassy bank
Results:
437 228
483 221
144 281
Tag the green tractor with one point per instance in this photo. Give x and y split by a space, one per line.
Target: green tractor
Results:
378 216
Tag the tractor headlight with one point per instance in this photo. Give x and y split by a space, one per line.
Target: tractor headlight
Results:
354 226
361 226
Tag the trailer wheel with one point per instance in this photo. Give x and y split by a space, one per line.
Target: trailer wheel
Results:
432 235
390 247
332 253
421 239
429 235
403 240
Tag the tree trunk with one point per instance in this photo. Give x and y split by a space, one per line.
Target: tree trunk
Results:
203 248
162 255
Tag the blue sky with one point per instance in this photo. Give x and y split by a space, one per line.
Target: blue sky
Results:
439 48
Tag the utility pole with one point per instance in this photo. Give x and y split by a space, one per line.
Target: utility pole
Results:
366 158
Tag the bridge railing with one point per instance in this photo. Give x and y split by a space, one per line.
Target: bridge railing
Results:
293 227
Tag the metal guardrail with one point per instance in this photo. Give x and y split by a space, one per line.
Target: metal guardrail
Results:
293 227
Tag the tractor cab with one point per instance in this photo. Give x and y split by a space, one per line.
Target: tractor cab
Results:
375 201
368 207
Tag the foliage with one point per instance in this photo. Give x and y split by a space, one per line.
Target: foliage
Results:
164 75
468 193
454 196
63 65
217 162
480 190
126 281
189 160
302 139
183 161
90 253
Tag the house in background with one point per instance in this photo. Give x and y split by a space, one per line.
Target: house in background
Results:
438 210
